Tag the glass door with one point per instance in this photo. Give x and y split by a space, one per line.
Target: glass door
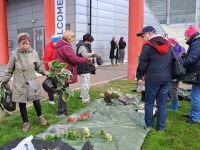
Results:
38 38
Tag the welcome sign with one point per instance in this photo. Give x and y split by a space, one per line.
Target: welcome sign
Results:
59 17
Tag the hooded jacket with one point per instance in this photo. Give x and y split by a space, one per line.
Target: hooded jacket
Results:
155 61
65 54
49 54
192 60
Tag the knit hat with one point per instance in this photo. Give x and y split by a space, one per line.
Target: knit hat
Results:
23 36
55 38
172 40
191 30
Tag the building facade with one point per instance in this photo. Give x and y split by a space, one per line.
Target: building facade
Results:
103 18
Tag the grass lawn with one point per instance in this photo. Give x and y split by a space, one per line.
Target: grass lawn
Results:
178 134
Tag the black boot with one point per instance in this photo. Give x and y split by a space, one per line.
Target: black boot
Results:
143 96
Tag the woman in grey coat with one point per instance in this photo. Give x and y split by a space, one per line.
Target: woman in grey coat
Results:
23 63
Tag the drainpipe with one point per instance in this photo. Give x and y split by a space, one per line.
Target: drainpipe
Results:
168 12
90 23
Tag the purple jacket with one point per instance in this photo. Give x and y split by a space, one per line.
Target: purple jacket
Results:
65 54
178 49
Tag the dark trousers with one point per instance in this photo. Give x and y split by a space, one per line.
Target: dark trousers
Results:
156 91
23 110
62 105
50 95
112 61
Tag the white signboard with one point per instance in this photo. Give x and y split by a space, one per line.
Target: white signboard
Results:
60 17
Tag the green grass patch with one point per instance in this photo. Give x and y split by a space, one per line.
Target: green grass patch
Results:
178 134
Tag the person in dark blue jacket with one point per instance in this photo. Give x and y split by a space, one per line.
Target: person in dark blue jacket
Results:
155 68
192 64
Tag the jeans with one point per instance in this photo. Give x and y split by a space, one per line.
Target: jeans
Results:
121 55
174 90
156 91
85 86
195 103
62 105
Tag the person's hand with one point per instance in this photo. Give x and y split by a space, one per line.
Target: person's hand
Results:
46 73
98 54
89 60
140 81
183 55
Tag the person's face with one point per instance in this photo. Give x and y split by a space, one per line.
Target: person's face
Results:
24 45
71 40
187 38
145 36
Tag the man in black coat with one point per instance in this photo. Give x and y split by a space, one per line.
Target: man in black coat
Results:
155 69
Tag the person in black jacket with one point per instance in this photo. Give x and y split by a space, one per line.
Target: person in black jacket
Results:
114 51
122 46
192 64
84 70
155 69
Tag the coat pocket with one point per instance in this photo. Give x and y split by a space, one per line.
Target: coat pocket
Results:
33 89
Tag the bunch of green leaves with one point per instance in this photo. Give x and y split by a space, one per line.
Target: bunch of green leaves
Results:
71 135
106 136
60 75
51 137
75 134
114 93
2 95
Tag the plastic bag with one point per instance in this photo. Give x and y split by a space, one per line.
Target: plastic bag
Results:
99 60
25 144
49 85
7 100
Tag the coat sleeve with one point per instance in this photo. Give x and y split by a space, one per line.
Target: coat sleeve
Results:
193 56
39 68
143 62
73 58
83 51
10 68
47 57
138 74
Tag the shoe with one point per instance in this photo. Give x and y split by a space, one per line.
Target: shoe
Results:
113 65
174 106
86 102
42 121
26 127
148 128
186 116
116 64
61 116
161 130
190 121
67 112
52 102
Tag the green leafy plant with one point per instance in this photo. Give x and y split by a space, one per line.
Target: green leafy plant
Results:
51 137
59 75
106 136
